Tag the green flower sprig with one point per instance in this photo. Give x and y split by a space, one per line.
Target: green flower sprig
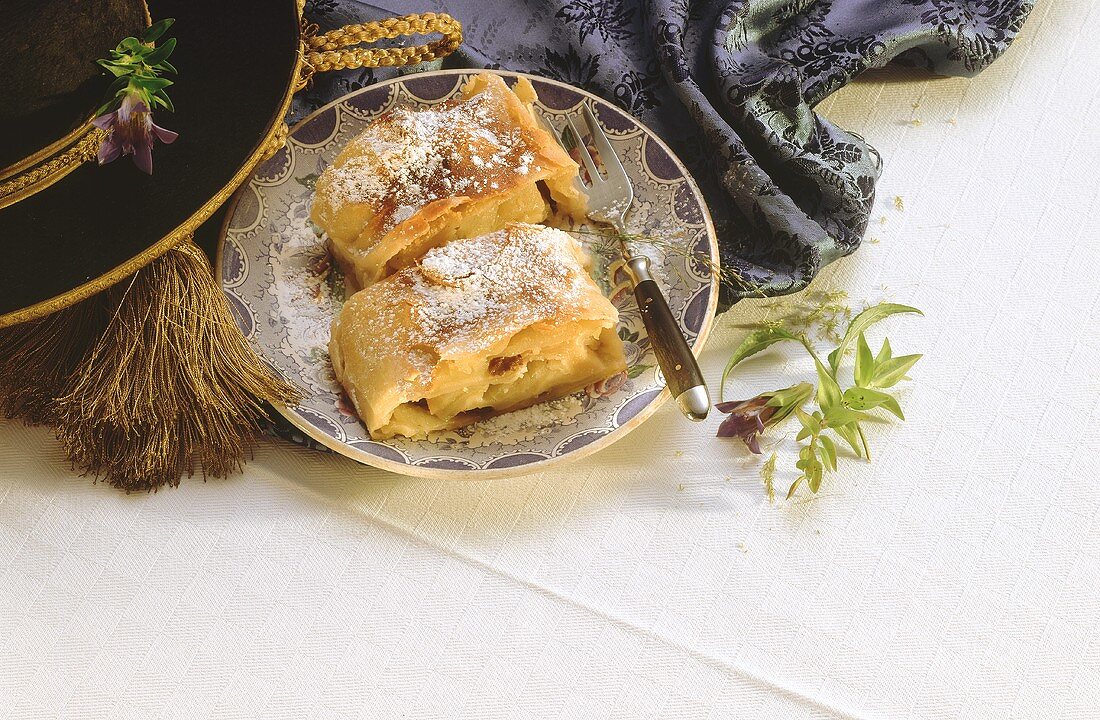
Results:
840 411
138 88
137 66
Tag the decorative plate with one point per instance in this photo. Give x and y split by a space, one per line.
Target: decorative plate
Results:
285 291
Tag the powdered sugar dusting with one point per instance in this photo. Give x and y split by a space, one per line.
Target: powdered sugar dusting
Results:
519 426
467 288
408 158
403 213
308 288
466 294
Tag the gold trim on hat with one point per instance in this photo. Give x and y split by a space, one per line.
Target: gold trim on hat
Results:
46 152
41 176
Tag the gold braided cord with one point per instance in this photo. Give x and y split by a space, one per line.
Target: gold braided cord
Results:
47 152
276 142
49 172
336 50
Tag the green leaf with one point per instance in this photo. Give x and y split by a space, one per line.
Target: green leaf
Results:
828 392
308 180
850 435
139 54
154 31
637 370
863 439
806 456
131 45
794 395
885 353
861 322
811 468
116 69
165 65
794 486
809 422
788 400
161 53
891 372
150 83
164 100
813 478
839 415
754 343
828 452
865 364
868 399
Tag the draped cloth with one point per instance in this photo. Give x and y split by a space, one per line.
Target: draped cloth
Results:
731 86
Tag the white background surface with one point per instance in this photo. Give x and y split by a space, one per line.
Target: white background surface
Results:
957 576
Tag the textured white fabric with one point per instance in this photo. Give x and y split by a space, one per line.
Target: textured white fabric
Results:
957 576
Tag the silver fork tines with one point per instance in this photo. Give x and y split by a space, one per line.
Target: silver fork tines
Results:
610 194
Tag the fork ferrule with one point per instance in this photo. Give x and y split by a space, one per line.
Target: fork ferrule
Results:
638 265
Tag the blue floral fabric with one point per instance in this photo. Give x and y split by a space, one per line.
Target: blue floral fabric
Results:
731 86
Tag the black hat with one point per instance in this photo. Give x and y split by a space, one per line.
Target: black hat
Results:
65 236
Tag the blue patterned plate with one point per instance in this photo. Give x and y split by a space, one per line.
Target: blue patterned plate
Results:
284 289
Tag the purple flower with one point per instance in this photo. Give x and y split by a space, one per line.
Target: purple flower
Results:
130 131
748 418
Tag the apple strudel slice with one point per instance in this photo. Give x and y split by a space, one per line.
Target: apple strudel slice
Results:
477 328
417 179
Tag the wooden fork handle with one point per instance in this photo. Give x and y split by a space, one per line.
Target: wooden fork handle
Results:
677 362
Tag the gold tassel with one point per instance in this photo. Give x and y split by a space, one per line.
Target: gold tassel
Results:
37 359
171 385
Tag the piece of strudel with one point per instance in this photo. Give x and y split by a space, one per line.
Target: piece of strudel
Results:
417 179
477 328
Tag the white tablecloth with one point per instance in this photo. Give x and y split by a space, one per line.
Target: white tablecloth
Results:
957 576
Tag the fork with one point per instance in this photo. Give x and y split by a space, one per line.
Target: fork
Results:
610 197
